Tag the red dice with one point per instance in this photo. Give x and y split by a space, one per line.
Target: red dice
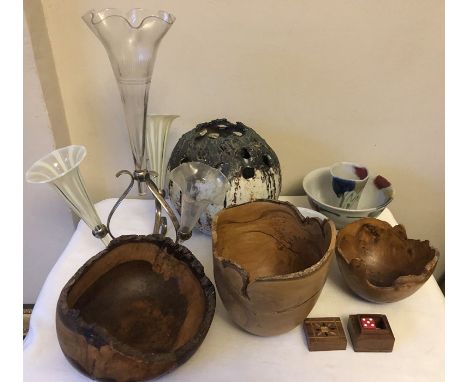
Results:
368 323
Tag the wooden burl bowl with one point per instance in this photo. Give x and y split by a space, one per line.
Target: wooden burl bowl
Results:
270 264
136 310
379 262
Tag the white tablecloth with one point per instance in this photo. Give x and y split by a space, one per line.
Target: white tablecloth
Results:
230 354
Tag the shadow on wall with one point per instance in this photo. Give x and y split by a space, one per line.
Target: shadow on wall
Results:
292 152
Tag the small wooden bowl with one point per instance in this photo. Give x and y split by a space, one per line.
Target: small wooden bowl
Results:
270 264
379 263
136 310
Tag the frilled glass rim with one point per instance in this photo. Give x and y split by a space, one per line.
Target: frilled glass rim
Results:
96 17
32 170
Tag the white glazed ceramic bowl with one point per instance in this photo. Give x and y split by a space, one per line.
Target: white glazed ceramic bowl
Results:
308 213
318 186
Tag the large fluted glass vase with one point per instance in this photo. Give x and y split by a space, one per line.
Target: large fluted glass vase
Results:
60 169
131 40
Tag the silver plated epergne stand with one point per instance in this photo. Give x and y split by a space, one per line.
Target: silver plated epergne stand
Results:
131 40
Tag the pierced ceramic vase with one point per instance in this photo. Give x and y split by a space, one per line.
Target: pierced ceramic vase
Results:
242 155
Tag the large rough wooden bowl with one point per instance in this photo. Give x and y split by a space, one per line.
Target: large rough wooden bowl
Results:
270 264
379 262
136 310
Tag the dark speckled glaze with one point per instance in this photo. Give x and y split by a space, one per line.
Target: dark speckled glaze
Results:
249 163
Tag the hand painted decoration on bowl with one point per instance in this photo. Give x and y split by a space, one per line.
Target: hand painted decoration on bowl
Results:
348 185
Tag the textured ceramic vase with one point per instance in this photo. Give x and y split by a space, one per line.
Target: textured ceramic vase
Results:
243 156
270 264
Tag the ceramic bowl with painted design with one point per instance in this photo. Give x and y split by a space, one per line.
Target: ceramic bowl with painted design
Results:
348 182
377 194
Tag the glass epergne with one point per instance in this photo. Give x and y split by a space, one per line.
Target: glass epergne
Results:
131 40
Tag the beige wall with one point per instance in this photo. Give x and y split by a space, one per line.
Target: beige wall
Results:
322 81
48 223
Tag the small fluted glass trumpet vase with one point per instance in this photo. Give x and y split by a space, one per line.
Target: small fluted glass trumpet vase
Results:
157 130
200 185
131 40
60 169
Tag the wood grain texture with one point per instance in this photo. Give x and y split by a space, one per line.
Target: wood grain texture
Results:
137 310
324 334
379 262
270 264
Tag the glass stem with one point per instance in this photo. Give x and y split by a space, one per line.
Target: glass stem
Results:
134 96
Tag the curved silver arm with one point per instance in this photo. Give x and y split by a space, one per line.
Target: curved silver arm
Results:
122 197
158 196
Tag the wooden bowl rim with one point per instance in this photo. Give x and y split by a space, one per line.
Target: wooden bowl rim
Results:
100 336
289 276
400 280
